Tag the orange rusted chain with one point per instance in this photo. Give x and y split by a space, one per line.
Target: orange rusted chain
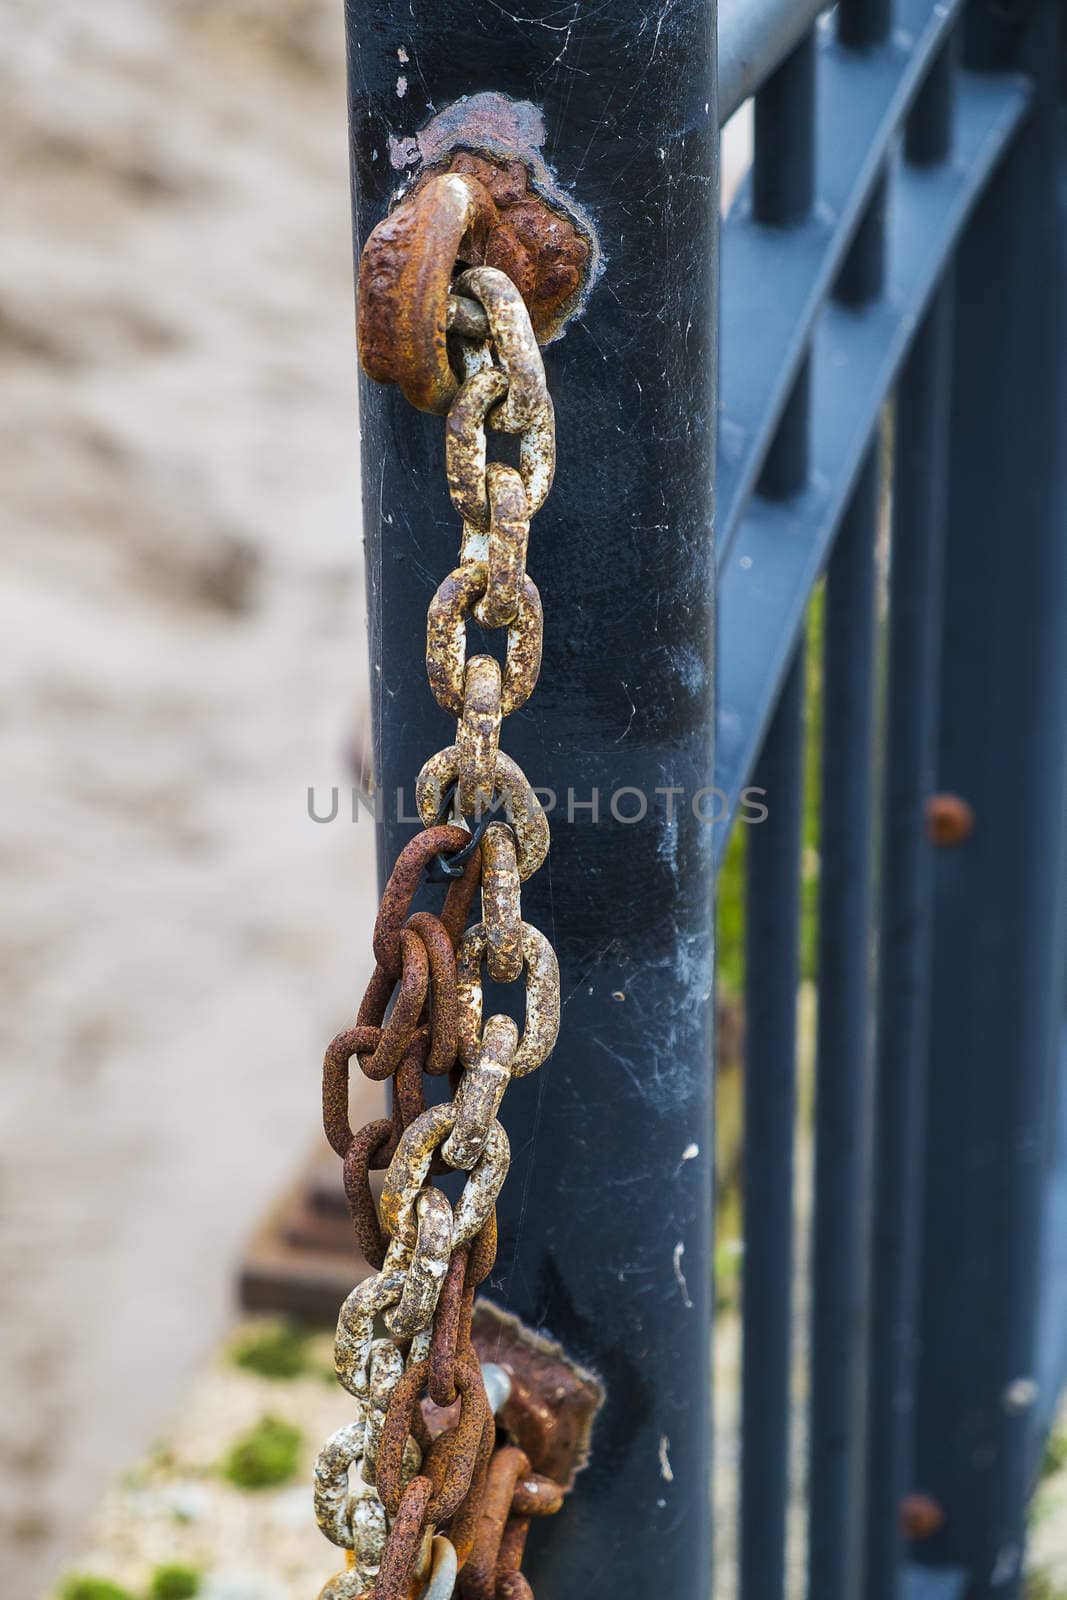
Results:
405 274
438 1497
402 1547
444 1343
405 879
479 1574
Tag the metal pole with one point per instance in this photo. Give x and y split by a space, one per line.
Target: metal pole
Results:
783 180
904 936
772 935
842 1091
997 978
755 36
606 1219
914 642
843 1066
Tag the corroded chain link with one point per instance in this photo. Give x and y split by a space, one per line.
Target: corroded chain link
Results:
414 1488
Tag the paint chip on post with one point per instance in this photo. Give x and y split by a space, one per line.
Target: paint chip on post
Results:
665 1470
679 1252
1019 1395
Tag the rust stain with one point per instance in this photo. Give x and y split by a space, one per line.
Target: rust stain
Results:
553 1401
481 196
921 1516
540 247
949 819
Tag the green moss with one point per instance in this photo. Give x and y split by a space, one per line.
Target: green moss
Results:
264 1456
730 931
727 1276
81 1586
278 1350
174 1583
1039 1586
161 1457
812 803
1055 1457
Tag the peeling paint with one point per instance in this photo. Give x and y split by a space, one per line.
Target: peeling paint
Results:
1019 1395
1008 1560
679 1252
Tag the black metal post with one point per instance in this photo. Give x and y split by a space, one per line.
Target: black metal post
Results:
843 1066
904 936
783 185
772 937
606 1216
842 1087
905 910
997 978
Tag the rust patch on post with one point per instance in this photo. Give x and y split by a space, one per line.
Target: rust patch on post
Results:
540 249
544 241
553 1401
949 819
921 1516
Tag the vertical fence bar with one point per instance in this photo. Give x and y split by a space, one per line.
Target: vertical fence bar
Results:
783 170
863 273
842 1092
842 1066
772 928
997 973
928 131
904 944
606 1218
862 23
919 496
783 190
842 1069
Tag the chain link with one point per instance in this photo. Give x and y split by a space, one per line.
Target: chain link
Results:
524 811
446 640
501 904
413 1491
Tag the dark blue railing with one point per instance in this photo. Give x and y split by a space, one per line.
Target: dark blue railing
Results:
892 366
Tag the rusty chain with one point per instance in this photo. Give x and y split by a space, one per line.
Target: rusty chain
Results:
415 1488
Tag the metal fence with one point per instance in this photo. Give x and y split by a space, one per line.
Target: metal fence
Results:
891 361
900 245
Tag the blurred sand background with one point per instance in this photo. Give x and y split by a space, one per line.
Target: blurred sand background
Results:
182 615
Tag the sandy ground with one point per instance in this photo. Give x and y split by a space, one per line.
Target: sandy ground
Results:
182 616
177 1506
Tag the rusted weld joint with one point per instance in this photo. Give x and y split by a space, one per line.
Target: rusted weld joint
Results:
541 248
553 1401
482 196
